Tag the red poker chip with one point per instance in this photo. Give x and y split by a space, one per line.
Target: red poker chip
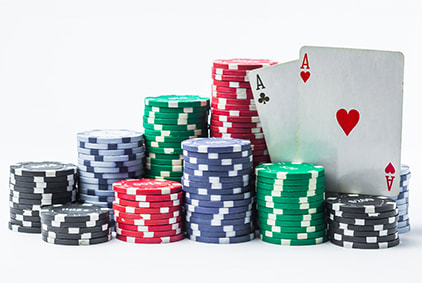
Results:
148 235
261 159
161 240
151 198
253 138
234 113
225 118
219 71
242 63
233 90
226 95
234 125
153 216
143 222
147 187
259 146
230 78
234 107
154 228
147 204
219 100
231 84
130 209
261 152
236 130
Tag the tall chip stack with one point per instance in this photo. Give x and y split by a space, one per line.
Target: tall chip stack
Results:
148 211
402 200
219 204
107 156
290 203
168 120
34 185
362 221
234 113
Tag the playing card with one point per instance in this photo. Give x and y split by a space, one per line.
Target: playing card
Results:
350 117
275 93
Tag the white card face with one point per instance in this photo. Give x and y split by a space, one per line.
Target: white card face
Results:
275 93
350 117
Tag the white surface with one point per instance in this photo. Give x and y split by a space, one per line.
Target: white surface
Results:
69 66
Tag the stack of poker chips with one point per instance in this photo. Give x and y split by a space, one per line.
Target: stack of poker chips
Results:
168 120
37 184
107 156
75 224
218 201
402 200
148 211
290 203
234 113
362 221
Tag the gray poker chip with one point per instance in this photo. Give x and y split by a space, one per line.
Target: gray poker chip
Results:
74 213
43 169
355 203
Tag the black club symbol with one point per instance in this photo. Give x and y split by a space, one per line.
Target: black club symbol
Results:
263 98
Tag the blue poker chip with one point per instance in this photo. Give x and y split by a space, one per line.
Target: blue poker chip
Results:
213 210
217 162
110 164
219 204
217 156
211 174
402 195
210 216
402 201
199 233
240 196
217 186
90 198
218 192
403 229
99 187
111 176
110 170
213 228
94 192
101 203
110 146
215 145
98 181
403 223
218 168
219 222
231 240
129 151
403 217
110 136
216 179
111 158
404 169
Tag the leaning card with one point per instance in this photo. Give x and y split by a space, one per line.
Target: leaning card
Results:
350 117
275 93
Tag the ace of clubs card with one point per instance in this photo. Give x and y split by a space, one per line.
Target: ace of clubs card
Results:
349 117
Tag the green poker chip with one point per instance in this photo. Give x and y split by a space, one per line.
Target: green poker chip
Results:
279 211
188 127
289 188
163 144
292 229
170 139
293 182
165 156
293 236
289 170
177 101
175 133
290 242
288 194
277 205
174 122
181 110
278 219
164 173
164 150
176 179
176 116
287 200
286 223
159 167
165 162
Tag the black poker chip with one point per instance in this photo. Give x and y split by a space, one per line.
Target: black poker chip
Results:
43 169
24 212
41 190
33 179
21 217
375 215
15 194
76 236
357 233
78 212
84 224
364 222
75 230
33 224
50 185
380 227
42 202
355 203
21 229
355 245
368 239
76 242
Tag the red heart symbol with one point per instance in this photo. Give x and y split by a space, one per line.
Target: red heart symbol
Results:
305 75
390 169
346 120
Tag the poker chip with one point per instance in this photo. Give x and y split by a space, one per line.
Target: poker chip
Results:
290 215
147 210
218 197
176 101
362 221
402 200
75 224
221 71
159 240
230 78
34 185
246 92
242 64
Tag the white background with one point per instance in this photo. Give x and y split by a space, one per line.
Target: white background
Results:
69 66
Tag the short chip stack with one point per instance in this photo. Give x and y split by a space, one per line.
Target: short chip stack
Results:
218 202
168 120
104 157
290 203
148 211
362 221
75 224
402 200
234 113
37 184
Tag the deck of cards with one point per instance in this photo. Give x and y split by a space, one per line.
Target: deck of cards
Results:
340 108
